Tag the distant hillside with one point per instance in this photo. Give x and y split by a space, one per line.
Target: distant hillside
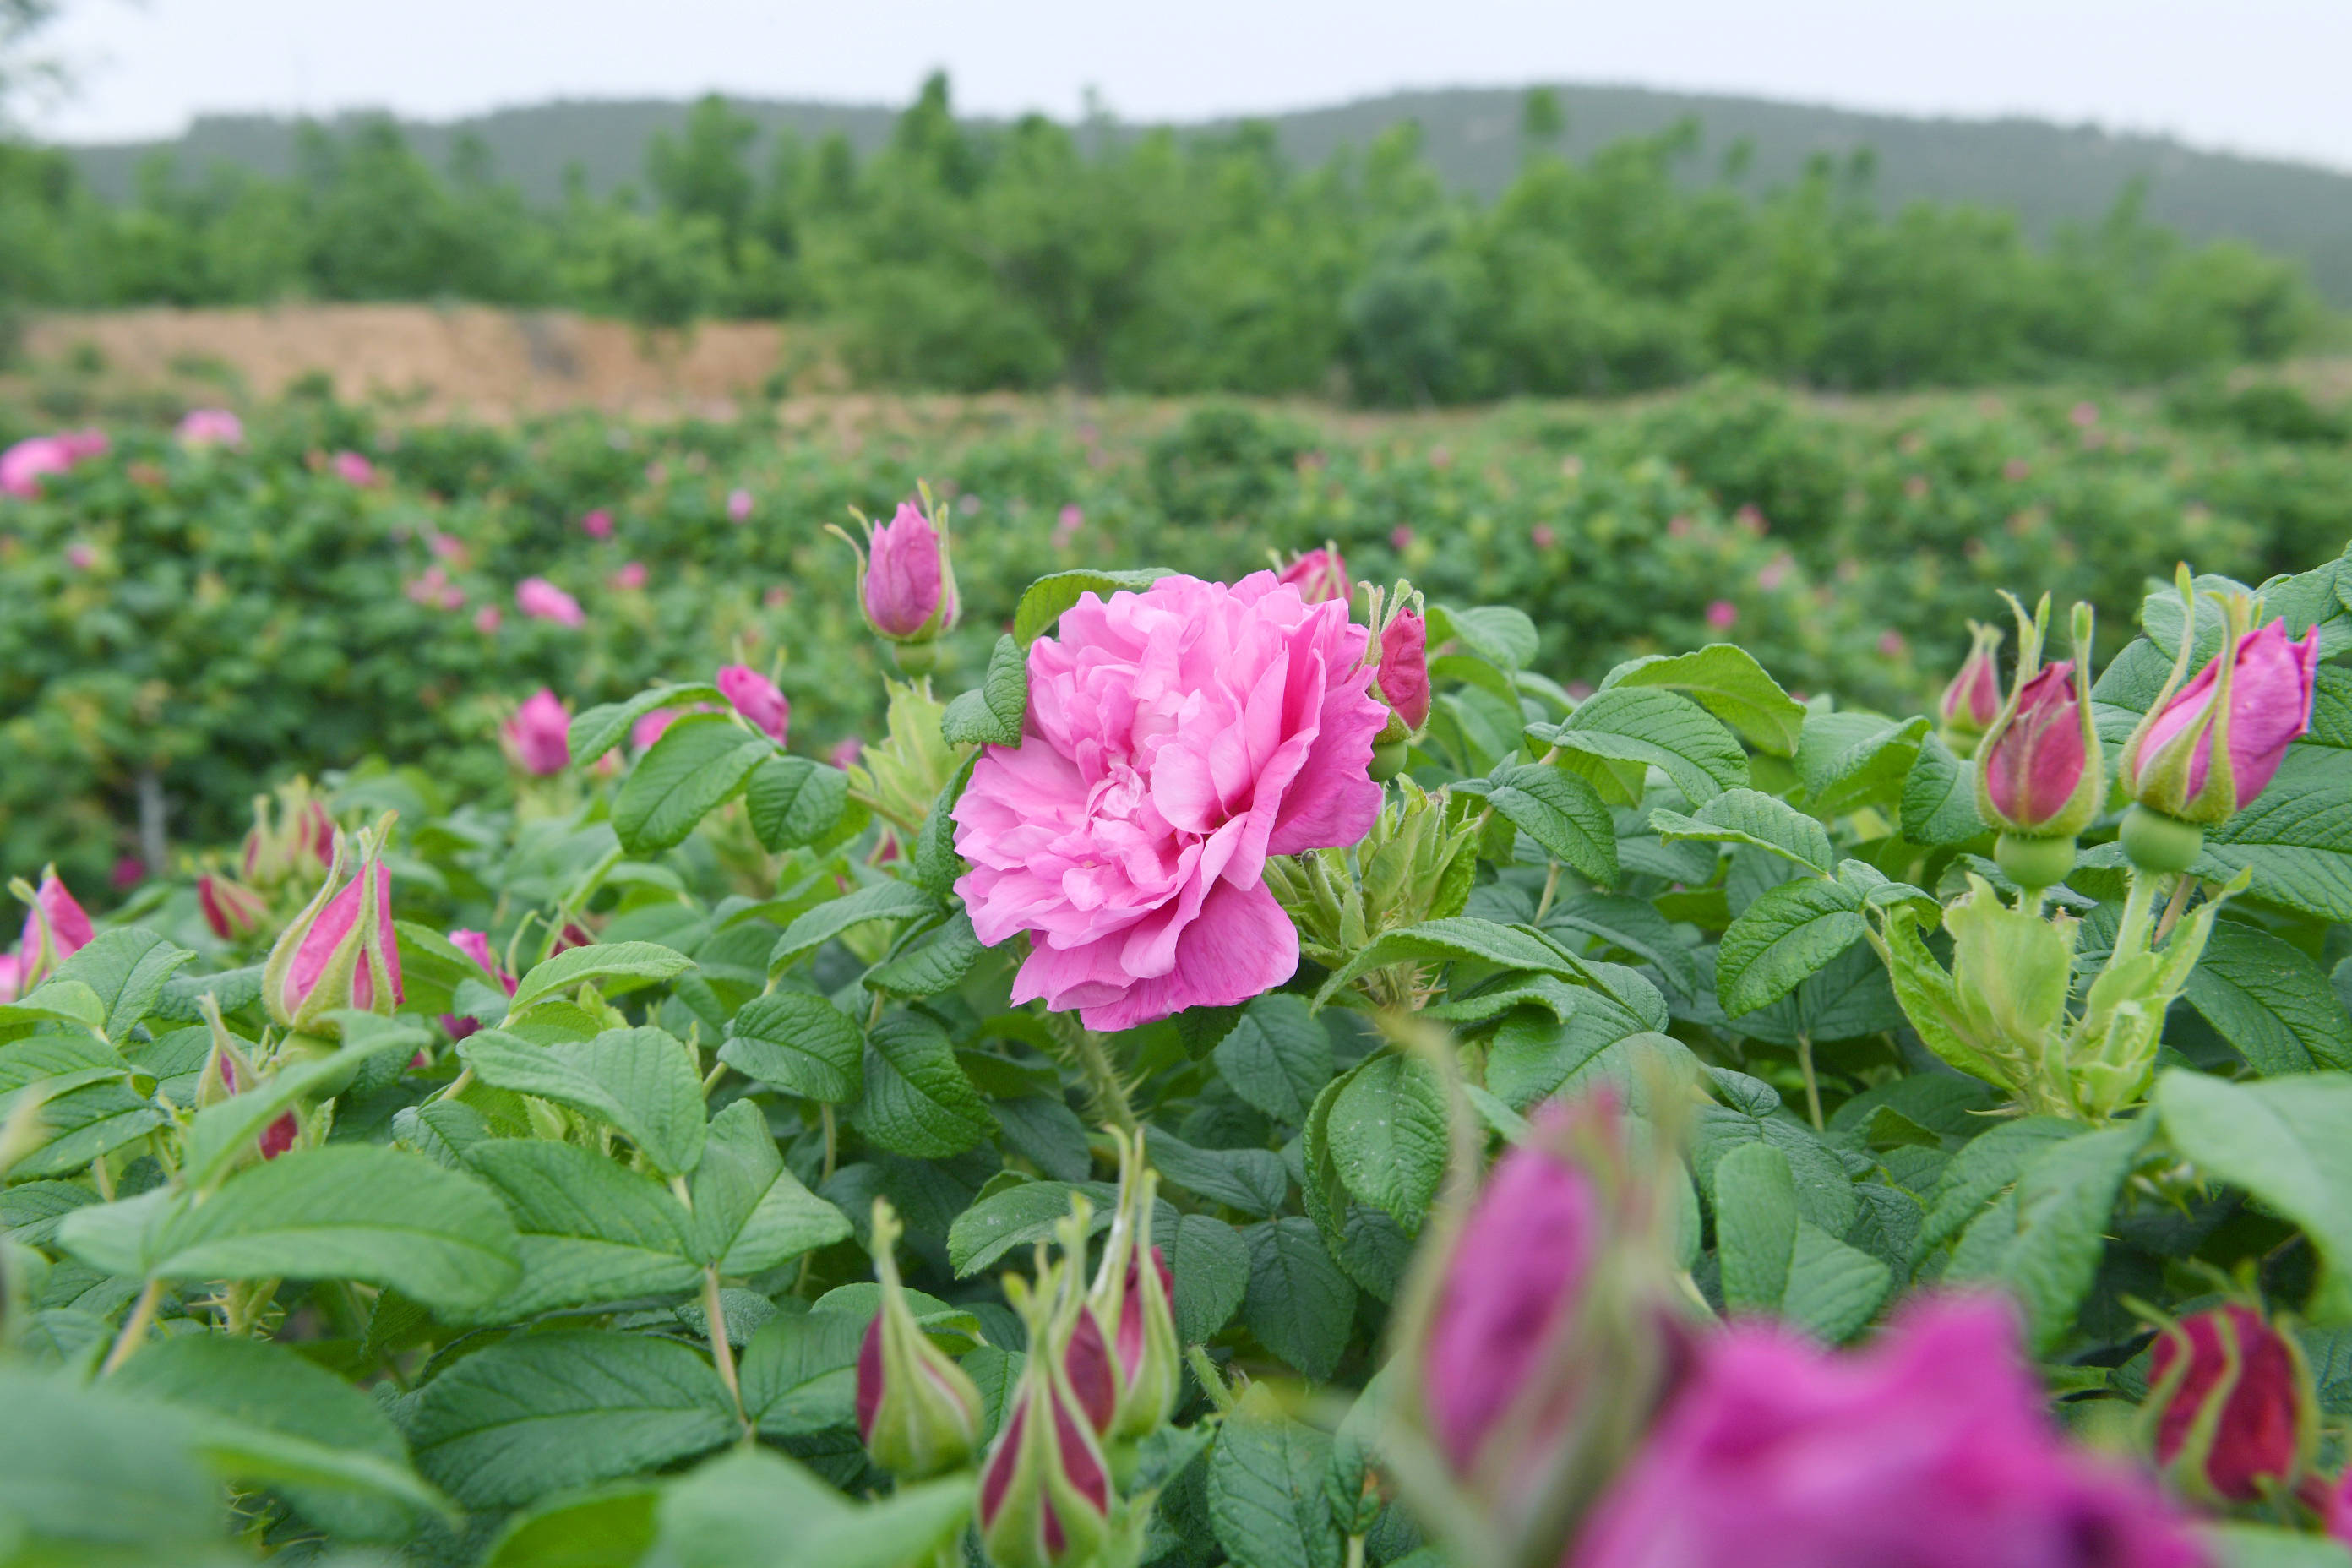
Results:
2048 173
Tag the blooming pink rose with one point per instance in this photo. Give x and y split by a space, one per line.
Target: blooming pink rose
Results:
597 524
22 465
1175 739
1933 1448
756 697
539 737
354 469
543 601
1721 614
2271 694
211 428
738 506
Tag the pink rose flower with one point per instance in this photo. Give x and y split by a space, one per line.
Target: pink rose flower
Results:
539 737
630 577
22 465
211 428
597 524
647 730
447 547
846 752
756 697
354 469
475 945
1721 614
543 601
738 506
1401 538
486 620
2271 694
1175 739
1933 1448
81 555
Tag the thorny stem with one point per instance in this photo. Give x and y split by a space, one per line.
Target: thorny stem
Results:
134 1328
1212 1381
1103 1086
1813 1083
2173 908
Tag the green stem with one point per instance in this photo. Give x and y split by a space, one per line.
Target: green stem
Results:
2173 908
1103 1084
1212 1381
1813 1084
722 1353
1355 1551
134 1328
832 1141
1552 888
2131 934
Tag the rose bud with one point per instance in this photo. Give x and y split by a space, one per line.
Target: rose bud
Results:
756 697
1404 667
475 945
1133 1306
907 584
340 951
12 973
292 843
232 909
56 928
2039 776
918 1411
2232 1412
1972 701
537 739
1045 1492
2205 752
1319 574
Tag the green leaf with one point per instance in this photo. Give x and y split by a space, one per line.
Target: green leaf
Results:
1276 1056
1729 683
640 1081
1211 1265
1043 602
1019 1216
1496 633
749 1213
347 1212
737 1508
126 970
1250 1179
2288 1142
886 900
1759 820
935 862
1299 1304
94 1471
937 962
1775 1262
1661 728
1825 1195
600 729
1461 937
700 761
1558 810
1387 1133
2269 1001
1788 933
224 1132
2044 1239
797 1042
644 962
83 1124
1852 759
1533 1056
909 1529
1939 798
2265 1546
792 801
800 1373
1985 1167
1633 924
1265 1490
544 1412
916 1100
590 1232
990 713
609 1528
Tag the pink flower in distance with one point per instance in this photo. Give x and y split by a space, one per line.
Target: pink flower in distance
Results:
597 524
539 737
81 555
2084 415
79 444
1401 538
211 428
1175 739
1543 536
647 730
486 619
2015 469
739 505
1972 701
630 577
2271 694
22 465
1320 574
354 469
543 601
448 547
1721 614
846 752
1930 1449
475 945
756 697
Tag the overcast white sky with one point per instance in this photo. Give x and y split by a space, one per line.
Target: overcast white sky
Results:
2261 76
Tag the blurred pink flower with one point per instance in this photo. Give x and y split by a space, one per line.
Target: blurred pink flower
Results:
755 697
1441 457
449 548
543 601
486 619
777 597
1721 614
739 505
647 730
1891 644
630 577
353 469
2085 415
537 739
846 752
1775 572
1401 538
1679 528
1543 536
597 524
22 465
81 555
2016 468
211 428
129 871
1750 518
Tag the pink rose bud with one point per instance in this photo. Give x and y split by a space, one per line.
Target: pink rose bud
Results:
475 945
2233 1410
537 739
1404 667
756 697
1972 701
906 585
202 427
597 524
846 752
1045 1489
1320 576
738 506
1131 1310
2034 766
279 1135
56 928
647 730
233 910
2261 691
354 469
918 1411
340 951
1094 1382
543 601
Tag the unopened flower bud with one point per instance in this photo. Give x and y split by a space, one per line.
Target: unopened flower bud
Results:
918 1411
757 699
56 928
290 842
1972 701
2039 776
2205 750
1320 574
2233 1415
537 739
1404 667
340 952
906 578
475 945
1133 1302
233 910
1045 1492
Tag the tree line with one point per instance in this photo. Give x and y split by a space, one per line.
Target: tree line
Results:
1037 253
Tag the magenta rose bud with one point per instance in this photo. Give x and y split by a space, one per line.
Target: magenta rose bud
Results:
2032 766
233 910
1320 576
908 591
537 739
1176 739
918 1411
2243 710
597 524
475 945
756 697
1045 1486
1404 668
56 928
1972 701
2234 1413
1932 1448
543 601
340 951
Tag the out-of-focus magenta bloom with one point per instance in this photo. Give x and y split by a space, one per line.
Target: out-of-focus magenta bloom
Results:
475 945
81 555
756 697
1721 614
129 871
448 547
1401 538
543 601
2034 766
597 524
433 589
739 505
340 951
909 589
232 909
629 576
2270 692
1404 667
211 428
487 619
354 469
279 1135
846 752
537 739
1931 1449
56 928
1543 536
2236 1415
647 730
22 465
11 976
1320 576
1176 738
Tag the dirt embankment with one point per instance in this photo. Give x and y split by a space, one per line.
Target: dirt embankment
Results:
470 359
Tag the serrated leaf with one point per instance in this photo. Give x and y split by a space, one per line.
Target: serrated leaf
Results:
227 1131
1939 798
916 1100
1043 602
1755 1226
2043 1240
1250 1179
1787 934
938 960
1298 1304
990 713
600 729
1852 759
1752 1112
751 1214
1267 1501
1558 810
798 1373
885 901
644 962
588 1231
792 801
1387 1133
1986 1167
1633 924
699 763
1727 682
1210 1265
1276 1056
1759 820
935 863
800 1043
1460 938
640 1081
1018 1217
94 1469
1656 728
2264 997
2288 1142
1499 634
126 970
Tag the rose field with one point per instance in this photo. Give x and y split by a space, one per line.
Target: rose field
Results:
1732 978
